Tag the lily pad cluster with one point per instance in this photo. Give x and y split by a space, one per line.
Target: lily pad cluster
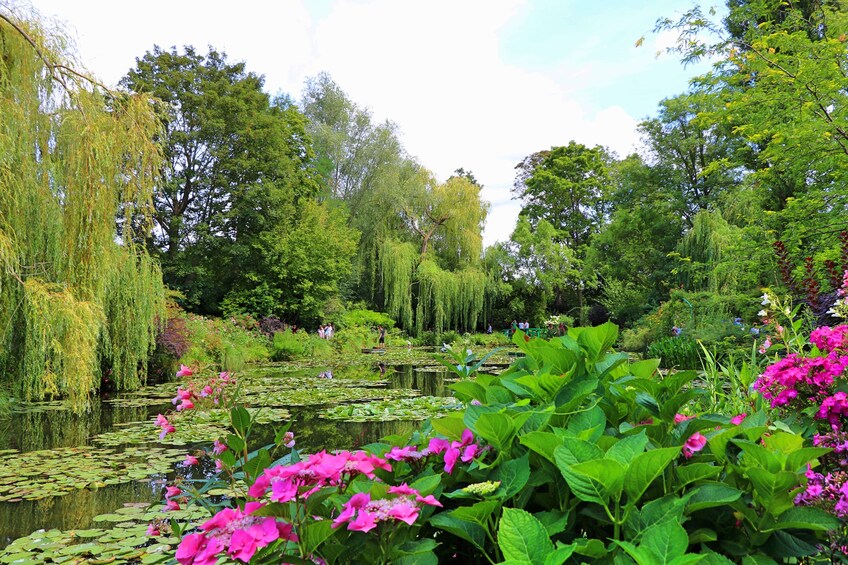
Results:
419 408
42 474
200 426
120 537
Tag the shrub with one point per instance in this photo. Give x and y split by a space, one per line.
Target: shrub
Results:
570 430
368 318
676 352
287 345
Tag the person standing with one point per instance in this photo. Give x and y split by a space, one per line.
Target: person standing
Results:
381 341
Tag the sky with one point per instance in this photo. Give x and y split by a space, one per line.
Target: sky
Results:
477 84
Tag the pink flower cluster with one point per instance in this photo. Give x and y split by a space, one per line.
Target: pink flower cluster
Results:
829 339
167 427
465 450
805 381
829 492
321 469
363 514
235 530
211 390
695 443
173 495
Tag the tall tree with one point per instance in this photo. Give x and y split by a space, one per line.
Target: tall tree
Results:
569 188
76 295
238 167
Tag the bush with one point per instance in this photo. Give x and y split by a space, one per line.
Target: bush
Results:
571 430
287 345
367 318
676 352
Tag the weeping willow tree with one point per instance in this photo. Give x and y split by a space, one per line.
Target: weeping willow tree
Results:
78 295
706 254
436 272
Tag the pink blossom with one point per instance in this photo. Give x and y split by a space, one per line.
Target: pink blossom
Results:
169 429
288 440
185 405
218 447
738 419
206 391
172 491
190 460
172 504
197 549
678 418
407 453
152 530
403 489
184 371
429 500
695 443
438 445
404 512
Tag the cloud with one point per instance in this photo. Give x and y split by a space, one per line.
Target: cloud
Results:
435 68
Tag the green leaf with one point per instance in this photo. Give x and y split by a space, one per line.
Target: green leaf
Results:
513 475
543 443
418 552
497 429
607 472
757 453
257 464
711 495
665 542
315 533
478 513
559 555
627 448
555 521
235 443
702 535
596 340
759 559
696 472
521 536
588 424
468 390
646 467
469 531
798 460
451 426
806 518
571 453
773 488
240 419
645 369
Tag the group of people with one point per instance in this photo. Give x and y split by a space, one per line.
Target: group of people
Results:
326 331
523 326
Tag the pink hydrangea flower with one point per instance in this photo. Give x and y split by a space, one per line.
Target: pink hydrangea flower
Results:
695 443
738 419
197 549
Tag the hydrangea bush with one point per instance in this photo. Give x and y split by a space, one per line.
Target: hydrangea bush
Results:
574 454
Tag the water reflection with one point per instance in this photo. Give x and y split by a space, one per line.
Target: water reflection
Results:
56 428
74 510
430 383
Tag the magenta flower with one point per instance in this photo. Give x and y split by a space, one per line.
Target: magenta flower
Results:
678 418
171 491
152 530
363 514
184 371
169 429
190 460
407 453
197 549
171 504
738 419
695 443
288 439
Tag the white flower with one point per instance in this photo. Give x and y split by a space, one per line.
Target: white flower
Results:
762 314
766 300
787 311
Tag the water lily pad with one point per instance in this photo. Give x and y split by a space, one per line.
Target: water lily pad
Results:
418 408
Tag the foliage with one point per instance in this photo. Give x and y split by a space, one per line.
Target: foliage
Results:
79 293
679 352
570 430
219 342
365 318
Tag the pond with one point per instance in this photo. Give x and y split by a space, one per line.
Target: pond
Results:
94 482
